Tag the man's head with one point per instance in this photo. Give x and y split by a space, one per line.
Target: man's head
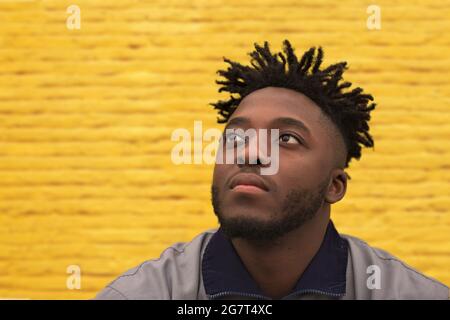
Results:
321 128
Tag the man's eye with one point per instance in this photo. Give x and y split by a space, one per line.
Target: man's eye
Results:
232 139
289 139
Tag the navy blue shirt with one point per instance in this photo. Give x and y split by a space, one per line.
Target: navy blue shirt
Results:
224 274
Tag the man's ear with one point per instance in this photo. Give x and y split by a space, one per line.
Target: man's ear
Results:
338 186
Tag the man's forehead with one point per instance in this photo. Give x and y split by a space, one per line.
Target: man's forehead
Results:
275 106
276 97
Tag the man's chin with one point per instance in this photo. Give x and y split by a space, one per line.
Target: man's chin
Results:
246 212
254 229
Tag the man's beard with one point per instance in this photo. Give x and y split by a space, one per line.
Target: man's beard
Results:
299 206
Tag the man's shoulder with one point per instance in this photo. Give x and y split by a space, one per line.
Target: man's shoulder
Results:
377 274
174 275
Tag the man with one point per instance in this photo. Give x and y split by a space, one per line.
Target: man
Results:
276 239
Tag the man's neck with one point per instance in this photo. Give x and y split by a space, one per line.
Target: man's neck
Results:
276 268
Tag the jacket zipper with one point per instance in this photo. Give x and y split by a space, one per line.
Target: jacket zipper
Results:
312 291
226 293
257 296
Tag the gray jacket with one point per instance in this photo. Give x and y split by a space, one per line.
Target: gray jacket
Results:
344 268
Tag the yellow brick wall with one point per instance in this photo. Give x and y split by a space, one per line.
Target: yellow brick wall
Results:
86 118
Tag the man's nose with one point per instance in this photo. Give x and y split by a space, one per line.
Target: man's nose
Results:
254 150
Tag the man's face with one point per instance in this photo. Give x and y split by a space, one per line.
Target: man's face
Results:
262 208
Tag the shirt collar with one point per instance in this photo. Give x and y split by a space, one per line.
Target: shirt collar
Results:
224 273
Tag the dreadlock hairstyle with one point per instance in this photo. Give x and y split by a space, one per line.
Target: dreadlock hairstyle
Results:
349 110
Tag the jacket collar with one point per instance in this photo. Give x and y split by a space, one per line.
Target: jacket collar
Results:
224 273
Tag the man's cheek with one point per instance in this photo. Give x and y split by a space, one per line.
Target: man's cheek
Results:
218 173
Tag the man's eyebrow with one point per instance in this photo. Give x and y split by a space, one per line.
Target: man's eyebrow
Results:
292 122
237 121
287 121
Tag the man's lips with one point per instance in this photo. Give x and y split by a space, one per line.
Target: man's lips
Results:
248 182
